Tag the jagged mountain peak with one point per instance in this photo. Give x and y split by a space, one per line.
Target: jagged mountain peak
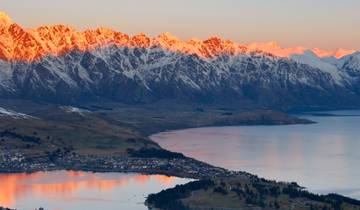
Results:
338 53
275 49
169 36
19 44
140 40
172 43
168 39
72 67
356 53
350 62
5 20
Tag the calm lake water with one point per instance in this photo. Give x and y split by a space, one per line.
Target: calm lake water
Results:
63 190
323 157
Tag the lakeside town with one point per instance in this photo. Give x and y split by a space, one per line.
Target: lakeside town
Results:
13 161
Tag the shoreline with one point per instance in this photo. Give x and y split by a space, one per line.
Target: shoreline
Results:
180 167
297 120
10 160
185 167
47 166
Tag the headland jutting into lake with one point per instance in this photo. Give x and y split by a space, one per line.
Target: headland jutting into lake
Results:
30 144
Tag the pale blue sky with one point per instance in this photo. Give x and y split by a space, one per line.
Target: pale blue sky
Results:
327 24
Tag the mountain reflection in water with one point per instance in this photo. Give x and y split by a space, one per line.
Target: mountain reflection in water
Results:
17 190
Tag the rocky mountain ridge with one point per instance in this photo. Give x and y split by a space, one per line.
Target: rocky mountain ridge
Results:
20 44
59 65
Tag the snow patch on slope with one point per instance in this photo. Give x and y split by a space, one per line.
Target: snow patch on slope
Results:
71 109
311 59
16 115
351 61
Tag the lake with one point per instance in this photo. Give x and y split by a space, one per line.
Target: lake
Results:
63 190
323 157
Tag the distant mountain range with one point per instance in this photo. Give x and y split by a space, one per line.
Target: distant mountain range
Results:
60 65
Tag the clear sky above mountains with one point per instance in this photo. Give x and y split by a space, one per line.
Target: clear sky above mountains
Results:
327 24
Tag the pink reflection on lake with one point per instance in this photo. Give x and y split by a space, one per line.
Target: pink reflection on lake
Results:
323 157
80 190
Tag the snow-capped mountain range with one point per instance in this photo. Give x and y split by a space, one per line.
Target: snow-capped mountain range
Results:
59 64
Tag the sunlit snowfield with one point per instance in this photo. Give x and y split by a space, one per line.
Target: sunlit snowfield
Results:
323 157
63 190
